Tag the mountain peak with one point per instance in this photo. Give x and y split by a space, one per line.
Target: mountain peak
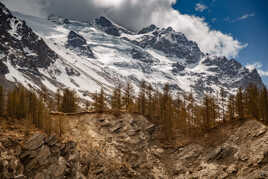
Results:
148 29
103 21
2 6
110 27
4 13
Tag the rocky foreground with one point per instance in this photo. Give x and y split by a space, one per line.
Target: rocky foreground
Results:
128 146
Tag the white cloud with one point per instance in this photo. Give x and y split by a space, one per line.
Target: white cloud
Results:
200 7
258 66
263 73
245 16
196 29
136 14
108 3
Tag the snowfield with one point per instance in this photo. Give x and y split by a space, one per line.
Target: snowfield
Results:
118 59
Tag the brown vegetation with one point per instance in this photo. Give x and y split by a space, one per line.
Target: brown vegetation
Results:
172 114
184 113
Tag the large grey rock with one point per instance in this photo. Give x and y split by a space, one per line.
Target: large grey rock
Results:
10 165
34 142
222 153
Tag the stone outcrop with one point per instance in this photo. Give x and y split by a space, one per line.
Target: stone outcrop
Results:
38 156
237 150
128 146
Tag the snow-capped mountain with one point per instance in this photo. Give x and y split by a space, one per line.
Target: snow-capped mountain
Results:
84 56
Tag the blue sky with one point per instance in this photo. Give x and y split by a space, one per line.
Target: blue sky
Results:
245 20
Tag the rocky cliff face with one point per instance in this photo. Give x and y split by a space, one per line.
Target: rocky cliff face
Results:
128 146
170 42
28 153
20 45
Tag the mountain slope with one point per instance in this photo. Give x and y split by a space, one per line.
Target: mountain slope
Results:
85 56
27 59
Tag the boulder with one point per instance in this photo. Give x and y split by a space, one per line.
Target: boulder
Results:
34 142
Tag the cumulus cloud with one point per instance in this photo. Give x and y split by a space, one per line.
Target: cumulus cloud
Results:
200 7
134 15
258 66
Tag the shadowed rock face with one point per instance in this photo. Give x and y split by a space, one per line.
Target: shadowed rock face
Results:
39 157
78 43
140 55
76 40
231 69
107 26
171 43
3 68
177 67
16 36
146 30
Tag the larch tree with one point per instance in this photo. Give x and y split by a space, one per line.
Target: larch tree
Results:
69 101
231 108
2 101
166 111
156 106
252 103
58 100
128 97
44 94
264 104
141 101
240 104
149 94
99 103
102 101
190 108
206 112
22 103
178 116
95 101
116 99
222 99
214 111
